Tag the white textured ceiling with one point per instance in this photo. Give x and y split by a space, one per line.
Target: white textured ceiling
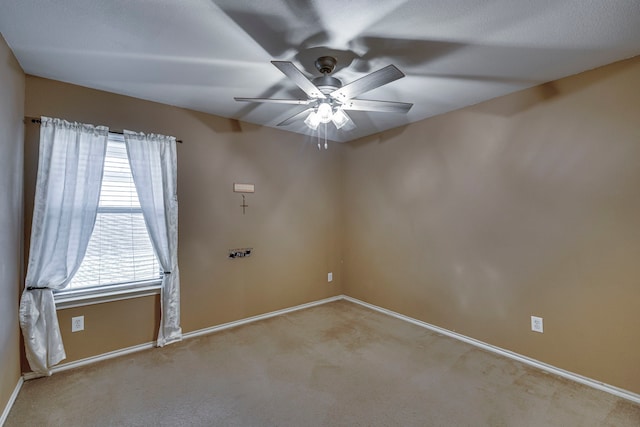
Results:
199 54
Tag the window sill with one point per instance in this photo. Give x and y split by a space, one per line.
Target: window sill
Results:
79 298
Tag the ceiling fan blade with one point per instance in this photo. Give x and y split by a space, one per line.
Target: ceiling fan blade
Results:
371 81
291 71
294 118
275 101
380 106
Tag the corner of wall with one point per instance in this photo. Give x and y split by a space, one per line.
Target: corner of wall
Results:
12 94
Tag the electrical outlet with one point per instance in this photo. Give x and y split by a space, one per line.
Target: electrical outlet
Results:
77 324
536 324
330 277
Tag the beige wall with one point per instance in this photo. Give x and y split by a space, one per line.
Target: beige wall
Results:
292 221
11 148
473 221
524 205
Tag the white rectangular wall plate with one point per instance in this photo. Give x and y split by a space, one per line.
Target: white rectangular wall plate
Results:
536 324
330 277
244 188
77 324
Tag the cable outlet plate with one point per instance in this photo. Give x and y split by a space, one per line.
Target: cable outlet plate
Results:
77 324
536 324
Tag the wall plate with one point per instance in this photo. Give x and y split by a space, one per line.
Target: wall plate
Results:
244 188
77 324
536 324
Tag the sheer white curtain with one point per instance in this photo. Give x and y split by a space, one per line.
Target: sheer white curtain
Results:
70 169
154 167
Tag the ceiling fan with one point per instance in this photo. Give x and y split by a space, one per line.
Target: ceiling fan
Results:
328 99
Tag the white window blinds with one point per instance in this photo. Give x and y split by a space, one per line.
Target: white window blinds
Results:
119 251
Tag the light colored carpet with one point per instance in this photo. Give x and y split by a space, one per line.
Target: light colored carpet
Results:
338 364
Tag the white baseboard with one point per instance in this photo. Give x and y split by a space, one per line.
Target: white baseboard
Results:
121 352
616 391
12 399
93 359
235 323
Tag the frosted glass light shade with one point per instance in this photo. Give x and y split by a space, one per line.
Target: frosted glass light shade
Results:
312 120
339 118
324 113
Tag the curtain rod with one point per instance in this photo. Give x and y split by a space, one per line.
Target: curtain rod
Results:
119 132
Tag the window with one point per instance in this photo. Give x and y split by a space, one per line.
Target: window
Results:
120 255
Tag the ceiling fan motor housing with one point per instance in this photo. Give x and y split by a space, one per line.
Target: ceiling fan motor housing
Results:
327 84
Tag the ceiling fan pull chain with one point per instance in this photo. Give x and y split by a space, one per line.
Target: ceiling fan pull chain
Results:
325 137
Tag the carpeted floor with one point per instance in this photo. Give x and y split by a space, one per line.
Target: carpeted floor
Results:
337 364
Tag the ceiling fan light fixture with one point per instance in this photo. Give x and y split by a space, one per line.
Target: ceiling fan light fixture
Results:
324 112
339 118
312 120
327 98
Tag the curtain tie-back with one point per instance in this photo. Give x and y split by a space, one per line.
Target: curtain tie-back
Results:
35 288
167 272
